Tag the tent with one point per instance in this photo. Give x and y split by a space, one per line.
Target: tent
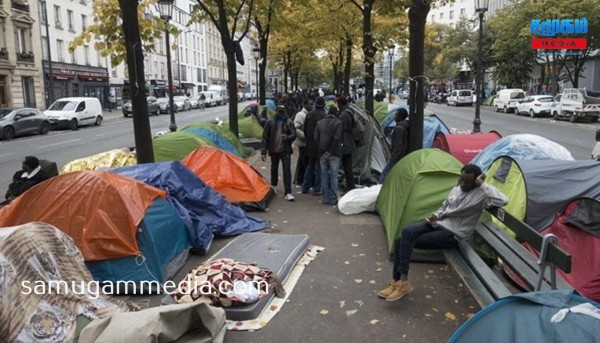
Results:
528 317
465 147
125 229
577 229
204 211
248 127
109 159
174 146
522 146
33 258
539 189
415 187
432 125
374 153
224 132
215 138
231 176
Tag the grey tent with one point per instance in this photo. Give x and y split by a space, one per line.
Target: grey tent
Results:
527 318
373 155
539 189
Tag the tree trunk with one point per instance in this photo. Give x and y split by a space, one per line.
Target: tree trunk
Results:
336 79
369 52
348 68
262 66
232 88
417 15
137 82
285 81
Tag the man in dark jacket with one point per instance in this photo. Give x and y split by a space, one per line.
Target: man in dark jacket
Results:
348 145
399 141
30 175
329 137
312 173
278 135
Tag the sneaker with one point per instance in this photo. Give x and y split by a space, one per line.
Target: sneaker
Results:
317 193
401 289
289 197
384 293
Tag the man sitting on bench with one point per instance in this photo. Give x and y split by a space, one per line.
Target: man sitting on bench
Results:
455 220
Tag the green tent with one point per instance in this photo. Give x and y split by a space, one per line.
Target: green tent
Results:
174 146
223 131
415 187
248 127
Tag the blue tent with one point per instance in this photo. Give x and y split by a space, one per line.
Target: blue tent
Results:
214 137
528 318
204 211
521 147
432 125
164 247
271 104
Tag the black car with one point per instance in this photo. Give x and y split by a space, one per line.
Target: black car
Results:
21 121
152 107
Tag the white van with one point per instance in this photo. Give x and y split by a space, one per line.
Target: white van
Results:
460 97
507 99
73 112
221 92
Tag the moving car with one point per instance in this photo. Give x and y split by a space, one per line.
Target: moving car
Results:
182 103
74 112
508 99
460 97
21 121
535 105
152 107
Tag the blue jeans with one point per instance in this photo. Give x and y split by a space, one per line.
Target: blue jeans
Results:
329 179
312 175
421 236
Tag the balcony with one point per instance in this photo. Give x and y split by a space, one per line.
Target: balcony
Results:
20 5
26 56
3 54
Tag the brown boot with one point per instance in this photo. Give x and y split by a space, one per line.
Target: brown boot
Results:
401 289
384 293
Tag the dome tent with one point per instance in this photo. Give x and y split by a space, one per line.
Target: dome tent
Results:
174 146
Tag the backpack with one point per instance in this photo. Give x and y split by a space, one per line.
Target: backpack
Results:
358 127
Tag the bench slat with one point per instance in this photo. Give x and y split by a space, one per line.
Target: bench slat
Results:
478 290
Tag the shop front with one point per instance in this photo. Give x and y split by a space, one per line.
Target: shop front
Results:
71 80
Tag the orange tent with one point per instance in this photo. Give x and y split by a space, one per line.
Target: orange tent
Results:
101 211
231 176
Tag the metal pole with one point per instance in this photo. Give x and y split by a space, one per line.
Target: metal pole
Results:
178 63
479 80
257 86
50 77
172 126
391 55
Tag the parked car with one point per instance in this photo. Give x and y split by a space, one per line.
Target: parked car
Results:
535 105
249 96
196 102
460 97
152 107
163 105
182 103
74 112
221 94
21 121
211 99
575 104
508 99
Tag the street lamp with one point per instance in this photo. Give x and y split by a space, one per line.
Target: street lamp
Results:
391 56
256 52
481 6
165 8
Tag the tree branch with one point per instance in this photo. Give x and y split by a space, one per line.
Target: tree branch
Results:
251 4
208 13
357 5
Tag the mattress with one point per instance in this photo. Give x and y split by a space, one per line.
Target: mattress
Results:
275 252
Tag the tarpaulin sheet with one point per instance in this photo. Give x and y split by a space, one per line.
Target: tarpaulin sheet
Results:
203 210
99 210
110 159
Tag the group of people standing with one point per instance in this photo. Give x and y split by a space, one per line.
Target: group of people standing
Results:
324 141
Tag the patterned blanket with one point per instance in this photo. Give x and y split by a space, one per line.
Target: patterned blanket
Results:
224 282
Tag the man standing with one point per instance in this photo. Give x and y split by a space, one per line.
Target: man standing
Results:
348 145
301 141
278 135
312 175
454 221
329 137
399 141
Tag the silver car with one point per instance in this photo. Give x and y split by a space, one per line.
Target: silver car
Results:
182 103
21 121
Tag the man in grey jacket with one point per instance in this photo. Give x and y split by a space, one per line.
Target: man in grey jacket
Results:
299 119
455 220
328 135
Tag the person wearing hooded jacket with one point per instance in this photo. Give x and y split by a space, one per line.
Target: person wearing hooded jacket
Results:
328 135
348 145
399 141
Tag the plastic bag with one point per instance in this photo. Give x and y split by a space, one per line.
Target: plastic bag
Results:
359 200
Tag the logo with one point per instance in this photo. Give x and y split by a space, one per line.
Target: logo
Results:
553 27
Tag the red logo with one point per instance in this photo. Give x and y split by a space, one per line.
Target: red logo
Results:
559 43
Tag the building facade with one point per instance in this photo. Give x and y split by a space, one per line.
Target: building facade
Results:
216 60
21 82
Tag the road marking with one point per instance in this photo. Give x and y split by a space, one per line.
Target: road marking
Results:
60 143
4 155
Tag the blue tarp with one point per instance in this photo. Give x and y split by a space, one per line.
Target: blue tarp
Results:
432 125
527 318
213 136
521 147
204 211
271 104
164 246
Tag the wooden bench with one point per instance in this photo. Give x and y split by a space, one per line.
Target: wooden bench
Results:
481 280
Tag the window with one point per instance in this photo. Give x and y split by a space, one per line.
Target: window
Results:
45 48
451 15
73 57
442 16
162 70
28 91
60 50
57 17
22 39
155 69
70 20
433 17
462 11
99 57
42 12
83 22
86 54
114 72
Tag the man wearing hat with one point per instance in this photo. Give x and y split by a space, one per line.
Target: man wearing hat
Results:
278 135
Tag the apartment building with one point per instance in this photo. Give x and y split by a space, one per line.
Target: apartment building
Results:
216 59
20 58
